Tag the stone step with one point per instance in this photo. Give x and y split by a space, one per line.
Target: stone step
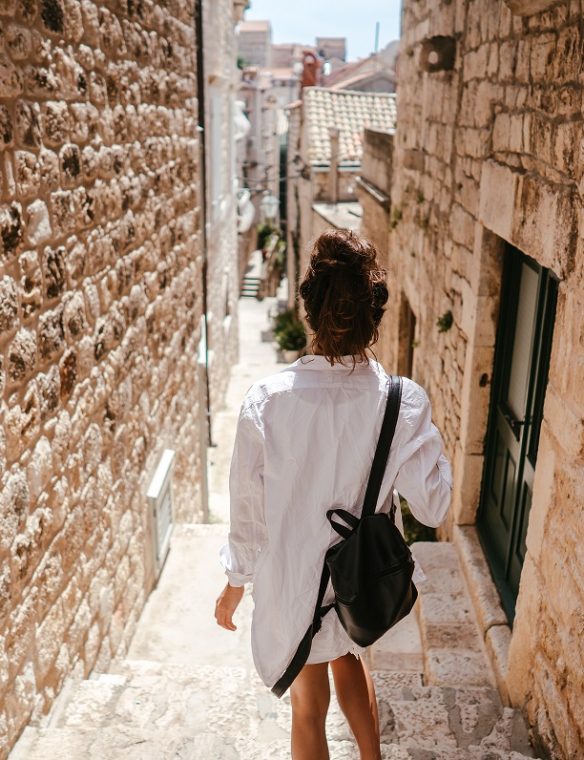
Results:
454 652
119 744
435 702
113 744
250 286
154 710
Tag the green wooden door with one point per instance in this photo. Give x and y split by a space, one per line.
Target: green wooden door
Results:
528 299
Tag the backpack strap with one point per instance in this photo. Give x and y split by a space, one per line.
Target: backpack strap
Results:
388 425
350 519
301 655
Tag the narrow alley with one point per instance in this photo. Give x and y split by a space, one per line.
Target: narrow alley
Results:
192 193
187 689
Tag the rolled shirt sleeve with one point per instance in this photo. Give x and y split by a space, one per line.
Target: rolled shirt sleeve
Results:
424 477
247 533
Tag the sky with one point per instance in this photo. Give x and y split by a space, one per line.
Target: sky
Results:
303 20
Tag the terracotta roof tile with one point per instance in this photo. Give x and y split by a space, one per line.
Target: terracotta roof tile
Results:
350 112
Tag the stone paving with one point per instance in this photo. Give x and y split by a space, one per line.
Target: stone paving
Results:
187 690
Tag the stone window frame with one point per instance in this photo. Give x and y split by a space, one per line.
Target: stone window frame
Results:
479 323
504 217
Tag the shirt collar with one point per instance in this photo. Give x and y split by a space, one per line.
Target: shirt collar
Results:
315 361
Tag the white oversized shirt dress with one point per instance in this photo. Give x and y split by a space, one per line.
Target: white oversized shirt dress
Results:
304 444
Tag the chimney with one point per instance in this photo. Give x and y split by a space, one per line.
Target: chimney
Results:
333 185
311 70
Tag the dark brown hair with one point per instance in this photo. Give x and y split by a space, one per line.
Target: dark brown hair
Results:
344 292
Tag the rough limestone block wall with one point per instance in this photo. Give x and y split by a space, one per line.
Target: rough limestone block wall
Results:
491 150
373 195
100 303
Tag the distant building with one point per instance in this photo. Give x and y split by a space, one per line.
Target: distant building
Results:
376 73
255 43
261 149
285 85
332 47
325 149
288 54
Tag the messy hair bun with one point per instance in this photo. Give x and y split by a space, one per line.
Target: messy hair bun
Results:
344 293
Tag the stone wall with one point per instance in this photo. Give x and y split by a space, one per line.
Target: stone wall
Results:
293 183
488 151
100 304
220 47
373 192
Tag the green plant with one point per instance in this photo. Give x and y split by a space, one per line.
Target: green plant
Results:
265 231
445 321
280 255
420 197
292 337
396 216
413 530
283 320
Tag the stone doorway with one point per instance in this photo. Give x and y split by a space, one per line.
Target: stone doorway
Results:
522 353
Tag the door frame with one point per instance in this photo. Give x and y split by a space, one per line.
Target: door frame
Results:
540 351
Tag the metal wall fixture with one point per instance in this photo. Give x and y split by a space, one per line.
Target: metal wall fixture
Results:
438 54
159 497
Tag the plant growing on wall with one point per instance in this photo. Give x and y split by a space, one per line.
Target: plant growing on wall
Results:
445 321
396 217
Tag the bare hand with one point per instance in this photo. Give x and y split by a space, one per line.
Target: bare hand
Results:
226 605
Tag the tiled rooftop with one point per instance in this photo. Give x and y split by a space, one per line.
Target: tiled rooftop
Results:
351 112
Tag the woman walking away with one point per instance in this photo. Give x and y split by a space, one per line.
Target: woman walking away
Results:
304 445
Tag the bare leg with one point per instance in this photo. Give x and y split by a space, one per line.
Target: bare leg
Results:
310 696
356 697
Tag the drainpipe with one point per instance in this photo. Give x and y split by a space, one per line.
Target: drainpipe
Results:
333 183
203 197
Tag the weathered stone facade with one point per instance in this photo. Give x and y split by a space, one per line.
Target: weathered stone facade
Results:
373 192
220 46
488 153
100 309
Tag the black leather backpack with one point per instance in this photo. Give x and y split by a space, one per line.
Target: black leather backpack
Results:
371 568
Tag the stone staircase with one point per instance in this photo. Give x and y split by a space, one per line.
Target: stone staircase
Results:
148 710
436 692
250 286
